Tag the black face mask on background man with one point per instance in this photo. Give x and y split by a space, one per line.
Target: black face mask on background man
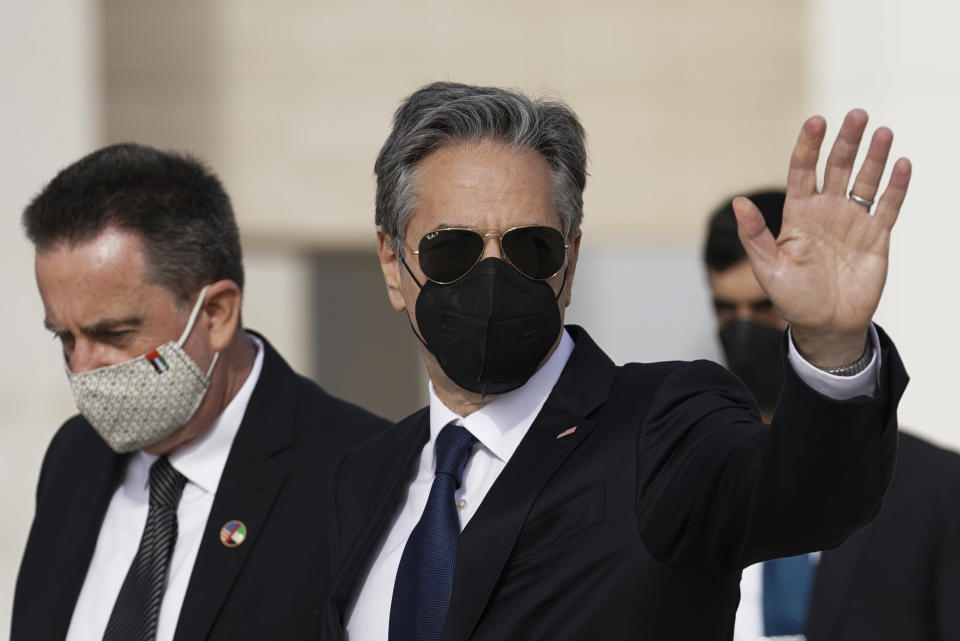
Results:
490 330
754 352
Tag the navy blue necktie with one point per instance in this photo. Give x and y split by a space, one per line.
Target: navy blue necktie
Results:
787 584
421 593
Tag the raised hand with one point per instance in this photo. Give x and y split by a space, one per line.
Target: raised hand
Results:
826 270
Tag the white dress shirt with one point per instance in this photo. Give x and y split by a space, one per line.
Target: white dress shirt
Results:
202 463
499 427
748 625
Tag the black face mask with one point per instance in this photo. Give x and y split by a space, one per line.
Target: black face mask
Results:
754 352
491 329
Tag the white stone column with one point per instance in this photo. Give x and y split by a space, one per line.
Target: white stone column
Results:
898 60
49 116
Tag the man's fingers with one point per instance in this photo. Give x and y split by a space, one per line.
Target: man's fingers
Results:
868 179
758 242
888 209
802 177
844 153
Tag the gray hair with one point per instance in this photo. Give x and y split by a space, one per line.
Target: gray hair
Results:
444 112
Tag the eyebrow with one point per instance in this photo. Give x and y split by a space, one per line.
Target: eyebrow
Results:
103 325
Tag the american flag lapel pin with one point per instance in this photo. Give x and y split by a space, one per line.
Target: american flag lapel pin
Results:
566 433
233 533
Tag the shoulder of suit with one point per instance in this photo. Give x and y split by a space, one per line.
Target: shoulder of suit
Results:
678 394
317 400
313 401
74 436
685 372
408 430
922 459
74 447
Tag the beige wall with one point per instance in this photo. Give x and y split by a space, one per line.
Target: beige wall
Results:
683 101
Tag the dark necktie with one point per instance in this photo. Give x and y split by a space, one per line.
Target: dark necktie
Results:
787 584
135 614
421 592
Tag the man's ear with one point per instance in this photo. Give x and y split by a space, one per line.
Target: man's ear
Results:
390 266
221 313
571 269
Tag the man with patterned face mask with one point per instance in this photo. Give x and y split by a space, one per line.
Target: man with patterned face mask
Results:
181 503
851 592
546 493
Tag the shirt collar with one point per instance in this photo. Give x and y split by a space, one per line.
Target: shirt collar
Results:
502 423
203 460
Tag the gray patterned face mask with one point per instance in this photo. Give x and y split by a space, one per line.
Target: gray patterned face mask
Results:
142 401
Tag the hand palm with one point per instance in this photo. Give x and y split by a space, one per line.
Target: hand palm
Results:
826 270
831 263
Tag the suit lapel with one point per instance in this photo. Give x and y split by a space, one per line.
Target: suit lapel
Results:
254 473
383 469
381 474
489 537
72 535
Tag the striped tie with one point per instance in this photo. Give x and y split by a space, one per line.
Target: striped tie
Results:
135 614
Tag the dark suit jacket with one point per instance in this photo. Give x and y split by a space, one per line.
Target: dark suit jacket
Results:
271 585
898 579
637 525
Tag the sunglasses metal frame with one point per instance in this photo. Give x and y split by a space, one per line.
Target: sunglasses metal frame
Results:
492 232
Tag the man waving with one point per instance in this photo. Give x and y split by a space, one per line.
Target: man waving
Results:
546 493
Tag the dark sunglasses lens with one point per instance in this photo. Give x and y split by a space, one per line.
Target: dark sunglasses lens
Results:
448 254
538 252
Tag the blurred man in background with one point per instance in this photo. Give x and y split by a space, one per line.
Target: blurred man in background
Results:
546 493
896 579
182 503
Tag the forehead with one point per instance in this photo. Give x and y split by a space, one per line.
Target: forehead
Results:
99 278
736 284
483 184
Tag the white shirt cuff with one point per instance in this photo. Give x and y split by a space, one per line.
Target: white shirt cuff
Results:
839 388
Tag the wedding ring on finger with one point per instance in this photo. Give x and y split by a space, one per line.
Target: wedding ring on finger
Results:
866 202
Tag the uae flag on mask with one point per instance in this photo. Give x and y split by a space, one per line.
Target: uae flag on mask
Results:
157 361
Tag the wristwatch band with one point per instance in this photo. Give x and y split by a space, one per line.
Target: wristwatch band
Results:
855 367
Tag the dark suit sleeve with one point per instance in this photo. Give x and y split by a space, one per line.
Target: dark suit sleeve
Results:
948 569
719 490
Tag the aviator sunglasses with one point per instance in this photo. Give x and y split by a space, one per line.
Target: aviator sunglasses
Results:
447 255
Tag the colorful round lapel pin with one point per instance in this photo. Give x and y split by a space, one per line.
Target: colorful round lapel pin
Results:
233 533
